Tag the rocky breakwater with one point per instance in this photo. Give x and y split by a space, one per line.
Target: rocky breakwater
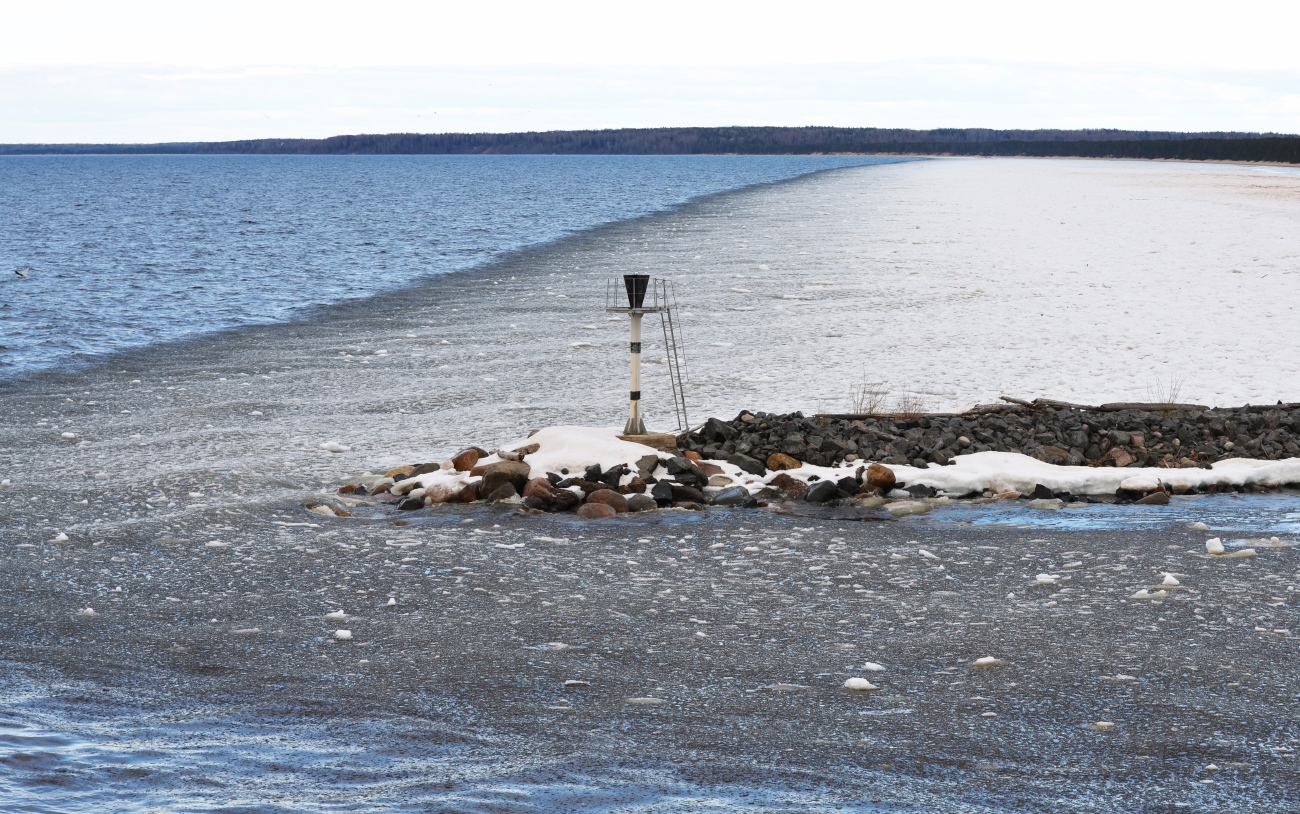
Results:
1115 435
590 472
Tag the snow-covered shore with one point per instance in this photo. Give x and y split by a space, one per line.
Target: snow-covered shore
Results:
574 459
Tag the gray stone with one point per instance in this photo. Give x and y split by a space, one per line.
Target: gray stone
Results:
642 503
662 492
748 464
505 491
734 496
820 492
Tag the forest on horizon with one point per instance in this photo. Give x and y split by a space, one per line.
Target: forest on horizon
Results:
1099 143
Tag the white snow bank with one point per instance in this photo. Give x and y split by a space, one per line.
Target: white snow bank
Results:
1011 471
559 448
576 448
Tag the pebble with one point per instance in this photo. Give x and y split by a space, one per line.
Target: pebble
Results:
343 635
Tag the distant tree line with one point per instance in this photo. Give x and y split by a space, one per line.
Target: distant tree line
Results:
1210 146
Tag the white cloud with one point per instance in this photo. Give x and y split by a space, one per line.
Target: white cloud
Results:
122 103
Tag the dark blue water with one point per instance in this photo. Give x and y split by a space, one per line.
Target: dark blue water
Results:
129 250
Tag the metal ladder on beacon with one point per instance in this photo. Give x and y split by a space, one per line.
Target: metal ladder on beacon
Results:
643 295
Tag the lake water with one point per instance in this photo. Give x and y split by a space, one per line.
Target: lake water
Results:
127 251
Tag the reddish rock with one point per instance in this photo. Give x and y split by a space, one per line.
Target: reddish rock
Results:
565 500
595 511
347 490
692 455
589 486
540 488
636 486
881 477
788 485
1056 455
381 489
401 470
779 461
709 469
608 497
1116 456
465 459
1157 498
469 494
477 472
1138 440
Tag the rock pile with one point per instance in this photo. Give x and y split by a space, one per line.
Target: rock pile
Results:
1122 435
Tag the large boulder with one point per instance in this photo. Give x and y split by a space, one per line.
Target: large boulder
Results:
608 497
505 491
734 496
565 501
686 494
641 503
779 461
881 477
497 475
747 464
465 460
715 430
821 491
791 487
595 511
540 488
662 493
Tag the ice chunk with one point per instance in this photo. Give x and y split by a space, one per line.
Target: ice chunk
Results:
872 667
985 662
392 600
60 538
69 436
1198 526
859 685
1214 546
1145 594
646 701
1170 580
343 635
338 614
1140 483
1046 504
926 554
334 446
903 508
1046 579
87 612
1101 726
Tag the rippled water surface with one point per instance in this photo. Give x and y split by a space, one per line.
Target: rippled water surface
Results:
128 250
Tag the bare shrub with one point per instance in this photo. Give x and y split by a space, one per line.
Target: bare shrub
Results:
1164 393
909 406
869 397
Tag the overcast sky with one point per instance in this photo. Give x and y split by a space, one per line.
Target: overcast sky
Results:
154 71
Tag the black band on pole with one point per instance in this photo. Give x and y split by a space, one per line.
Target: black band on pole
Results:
636 395
636 347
